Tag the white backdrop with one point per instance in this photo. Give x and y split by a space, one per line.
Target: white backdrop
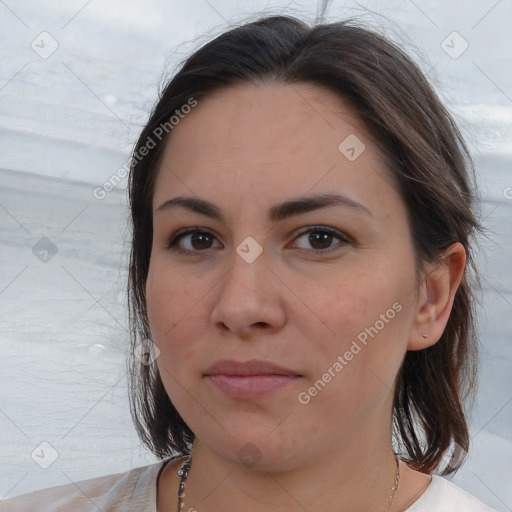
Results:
77 80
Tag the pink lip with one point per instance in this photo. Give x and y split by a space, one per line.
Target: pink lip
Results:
249 379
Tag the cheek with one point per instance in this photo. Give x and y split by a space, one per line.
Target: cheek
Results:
353 370
170 297
167 303
365 318
174 309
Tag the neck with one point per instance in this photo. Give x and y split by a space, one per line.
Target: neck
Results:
356 477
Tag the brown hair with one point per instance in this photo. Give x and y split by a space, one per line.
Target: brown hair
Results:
427 157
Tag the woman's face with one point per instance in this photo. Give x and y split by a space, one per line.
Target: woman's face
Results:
324 288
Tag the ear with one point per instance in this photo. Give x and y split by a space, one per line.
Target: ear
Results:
436 293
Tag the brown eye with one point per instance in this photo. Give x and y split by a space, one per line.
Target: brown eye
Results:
193 240
321 239
201 240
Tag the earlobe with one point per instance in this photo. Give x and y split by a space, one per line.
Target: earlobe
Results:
435 297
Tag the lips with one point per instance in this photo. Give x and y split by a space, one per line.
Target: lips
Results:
252 367
249 379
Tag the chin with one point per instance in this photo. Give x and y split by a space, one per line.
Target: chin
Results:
255 449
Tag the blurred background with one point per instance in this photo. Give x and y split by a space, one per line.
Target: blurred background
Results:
77 82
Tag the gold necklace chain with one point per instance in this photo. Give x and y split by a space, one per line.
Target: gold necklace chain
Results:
394 489
183 474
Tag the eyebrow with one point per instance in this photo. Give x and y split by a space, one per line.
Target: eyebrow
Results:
277 213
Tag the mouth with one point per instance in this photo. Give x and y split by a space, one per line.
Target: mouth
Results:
249 379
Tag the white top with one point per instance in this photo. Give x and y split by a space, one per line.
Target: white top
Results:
135 490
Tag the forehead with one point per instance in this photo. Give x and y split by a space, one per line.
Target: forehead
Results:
272 114
271 138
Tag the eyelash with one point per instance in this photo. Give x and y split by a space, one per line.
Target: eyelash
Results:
344 239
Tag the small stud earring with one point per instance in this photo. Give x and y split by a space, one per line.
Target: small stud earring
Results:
423 334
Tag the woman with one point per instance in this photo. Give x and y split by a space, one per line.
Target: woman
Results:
301 313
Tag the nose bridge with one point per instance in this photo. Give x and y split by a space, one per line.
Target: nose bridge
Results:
247 274
248 295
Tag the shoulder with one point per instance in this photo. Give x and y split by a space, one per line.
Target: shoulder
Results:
443 496
132 490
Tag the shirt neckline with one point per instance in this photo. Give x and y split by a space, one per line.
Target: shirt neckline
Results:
423 496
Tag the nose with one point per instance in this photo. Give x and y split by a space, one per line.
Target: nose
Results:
249 300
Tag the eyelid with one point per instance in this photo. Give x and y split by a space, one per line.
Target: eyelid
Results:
332 231
341 236
172 244
344 238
